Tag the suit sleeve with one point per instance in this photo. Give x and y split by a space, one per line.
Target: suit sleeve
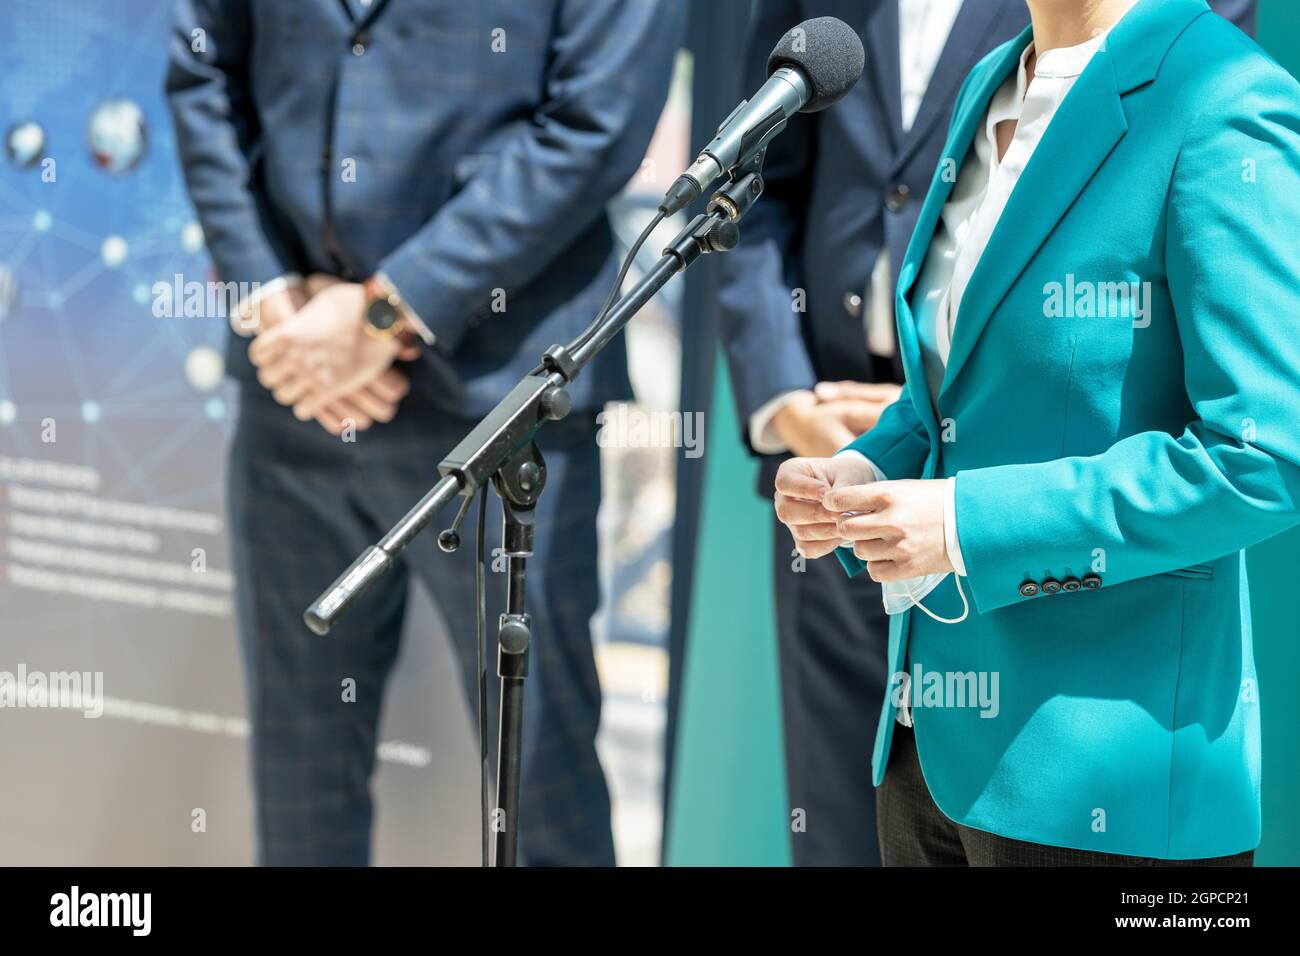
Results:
759 325
1157 502
610 68
898 443
1243 13
218 136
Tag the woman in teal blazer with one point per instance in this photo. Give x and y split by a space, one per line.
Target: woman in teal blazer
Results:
1109 466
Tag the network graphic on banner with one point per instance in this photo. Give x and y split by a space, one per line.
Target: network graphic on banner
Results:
115 414
113 559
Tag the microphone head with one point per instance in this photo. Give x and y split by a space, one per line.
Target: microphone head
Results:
828 52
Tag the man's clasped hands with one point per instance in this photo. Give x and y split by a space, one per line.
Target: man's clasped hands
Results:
313 354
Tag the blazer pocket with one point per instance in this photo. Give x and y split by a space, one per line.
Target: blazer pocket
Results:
1198 572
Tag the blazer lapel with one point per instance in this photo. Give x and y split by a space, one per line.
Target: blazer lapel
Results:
964 47
965 123
881 41
1084 131
968 119
366 13
1080 136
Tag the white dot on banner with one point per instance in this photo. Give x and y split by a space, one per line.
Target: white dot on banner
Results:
216 408
8 412
25 144
41 221
117 135
204 368
90 412
113 251
140 293
192 237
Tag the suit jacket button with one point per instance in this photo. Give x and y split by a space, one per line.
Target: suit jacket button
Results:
898 197
1091 581
1029 589
1070 584
853 304
1051 586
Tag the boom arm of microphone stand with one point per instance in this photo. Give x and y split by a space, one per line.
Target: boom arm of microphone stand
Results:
470 464
538 398
375 561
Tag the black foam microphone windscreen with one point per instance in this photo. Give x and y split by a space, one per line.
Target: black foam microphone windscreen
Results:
826 50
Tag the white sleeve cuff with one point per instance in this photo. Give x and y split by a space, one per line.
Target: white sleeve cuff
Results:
242 320
880 475
950 541
762 434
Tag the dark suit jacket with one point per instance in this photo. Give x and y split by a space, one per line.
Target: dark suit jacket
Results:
475 168
841 185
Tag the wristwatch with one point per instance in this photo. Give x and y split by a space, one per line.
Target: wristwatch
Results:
385 313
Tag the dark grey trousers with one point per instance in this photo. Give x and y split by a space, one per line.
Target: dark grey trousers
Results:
915 832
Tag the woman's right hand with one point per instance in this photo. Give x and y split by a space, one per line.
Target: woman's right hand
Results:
802 484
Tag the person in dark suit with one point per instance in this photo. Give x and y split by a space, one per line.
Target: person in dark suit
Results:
414 191
808 328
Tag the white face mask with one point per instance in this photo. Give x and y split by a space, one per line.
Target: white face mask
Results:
901 595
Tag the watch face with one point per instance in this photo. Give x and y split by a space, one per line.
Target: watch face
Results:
381 315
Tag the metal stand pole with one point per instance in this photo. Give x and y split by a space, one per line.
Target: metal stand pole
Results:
519 482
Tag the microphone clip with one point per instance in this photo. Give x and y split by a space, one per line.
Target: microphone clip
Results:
744 186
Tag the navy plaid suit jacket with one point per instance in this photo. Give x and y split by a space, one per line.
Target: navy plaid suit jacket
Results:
460 147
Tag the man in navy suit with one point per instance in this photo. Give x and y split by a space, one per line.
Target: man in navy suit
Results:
808 328
414 191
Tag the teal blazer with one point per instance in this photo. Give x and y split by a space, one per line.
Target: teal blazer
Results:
1136 450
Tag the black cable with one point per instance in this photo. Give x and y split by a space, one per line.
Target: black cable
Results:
628 259
480 586
627 264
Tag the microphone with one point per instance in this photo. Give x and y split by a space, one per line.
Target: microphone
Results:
812 66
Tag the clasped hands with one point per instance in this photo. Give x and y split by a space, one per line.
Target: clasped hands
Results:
895 526
819 421
313 354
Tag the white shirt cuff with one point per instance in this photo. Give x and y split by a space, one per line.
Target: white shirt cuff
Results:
422 330
762 434
242 320
950 542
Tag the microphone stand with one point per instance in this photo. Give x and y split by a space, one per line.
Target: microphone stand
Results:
502 449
